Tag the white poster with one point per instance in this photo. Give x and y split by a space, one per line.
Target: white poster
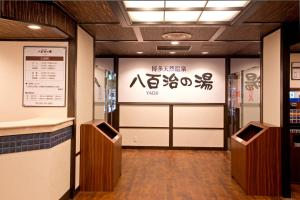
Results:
174 80
44 79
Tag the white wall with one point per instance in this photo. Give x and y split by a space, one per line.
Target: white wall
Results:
84 83
271 78
11 83
36 175
295 57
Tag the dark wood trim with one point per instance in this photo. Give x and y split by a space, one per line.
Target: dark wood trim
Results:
170 103
198 128
188 41
261 80
172 57
35 39
77 154
66 195
144 127
77 190
73 162
174 148
284 104
94 66
242 97
226 116
116 113
295 89
171 124
71 105
98 23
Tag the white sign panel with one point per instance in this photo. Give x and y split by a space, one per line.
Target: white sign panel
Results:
251 92
44 79
176 80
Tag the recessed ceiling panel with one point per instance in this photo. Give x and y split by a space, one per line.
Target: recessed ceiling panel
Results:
198 33
246 32
110 32
149 49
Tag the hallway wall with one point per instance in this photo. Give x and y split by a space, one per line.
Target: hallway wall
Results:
11 83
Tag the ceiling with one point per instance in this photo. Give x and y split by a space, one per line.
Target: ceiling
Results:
11 29
116 35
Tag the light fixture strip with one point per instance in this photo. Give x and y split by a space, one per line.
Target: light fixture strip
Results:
223 8
184 9
143 9
164 20
201 12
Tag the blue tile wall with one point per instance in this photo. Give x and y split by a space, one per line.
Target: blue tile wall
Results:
36 141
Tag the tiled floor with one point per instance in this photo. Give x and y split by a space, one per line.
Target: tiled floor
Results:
175 175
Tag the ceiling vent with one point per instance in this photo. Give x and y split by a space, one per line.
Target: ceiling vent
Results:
173 48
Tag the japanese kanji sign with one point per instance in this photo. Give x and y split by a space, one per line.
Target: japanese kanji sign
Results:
185 80
251 78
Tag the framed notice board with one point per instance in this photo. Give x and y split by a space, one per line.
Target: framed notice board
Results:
44 76
295 71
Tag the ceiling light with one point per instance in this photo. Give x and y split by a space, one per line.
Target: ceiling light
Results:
174 42
34 27
172 52
185 4
204 52
226 4
146 16
144 4
177 36
218 15
182 16
139 52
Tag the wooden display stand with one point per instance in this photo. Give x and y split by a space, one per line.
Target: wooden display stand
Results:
100 156
256 159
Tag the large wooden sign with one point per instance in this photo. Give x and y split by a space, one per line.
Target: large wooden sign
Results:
180 80
44 82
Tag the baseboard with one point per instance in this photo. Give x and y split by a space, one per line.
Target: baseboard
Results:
77 190
175 148
66 196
